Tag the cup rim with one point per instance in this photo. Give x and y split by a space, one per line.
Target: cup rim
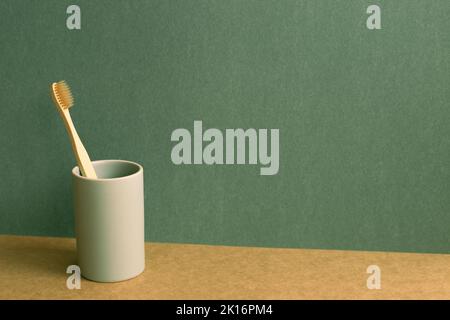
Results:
79 176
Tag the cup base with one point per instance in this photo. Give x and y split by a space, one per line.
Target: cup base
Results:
113 280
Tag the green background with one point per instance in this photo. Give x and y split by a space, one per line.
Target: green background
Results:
363 117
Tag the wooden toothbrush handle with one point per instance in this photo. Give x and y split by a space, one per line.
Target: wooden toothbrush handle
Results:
83 160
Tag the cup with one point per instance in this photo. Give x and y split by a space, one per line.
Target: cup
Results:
109 221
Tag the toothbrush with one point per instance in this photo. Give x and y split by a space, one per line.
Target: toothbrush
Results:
62 97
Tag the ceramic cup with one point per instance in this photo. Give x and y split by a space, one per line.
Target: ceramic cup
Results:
109 221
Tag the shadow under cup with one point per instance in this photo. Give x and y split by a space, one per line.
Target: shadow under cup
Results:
109 221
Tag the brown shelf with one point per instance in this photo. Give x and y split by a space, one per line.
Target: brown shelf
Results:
34 268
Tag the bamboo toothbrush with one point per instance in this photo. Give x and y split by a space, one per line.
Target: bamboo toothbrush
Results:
62 97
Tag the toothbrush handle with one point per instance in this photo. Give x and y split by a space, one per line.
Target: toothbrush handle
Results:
83 160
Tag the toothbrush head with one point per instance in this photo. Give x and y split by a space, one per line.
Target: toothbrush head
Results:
62 95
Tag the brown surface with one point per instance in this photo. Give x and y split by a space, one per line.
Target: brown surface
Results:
34 268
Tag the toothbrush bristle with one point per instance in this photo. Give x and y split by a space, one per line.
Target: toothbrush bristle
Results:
63 94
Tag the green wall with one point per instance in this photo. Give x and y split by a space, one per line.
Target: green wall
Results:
363 117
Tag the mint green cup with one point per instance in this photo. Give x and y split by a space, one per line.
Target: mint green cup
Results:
109 221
